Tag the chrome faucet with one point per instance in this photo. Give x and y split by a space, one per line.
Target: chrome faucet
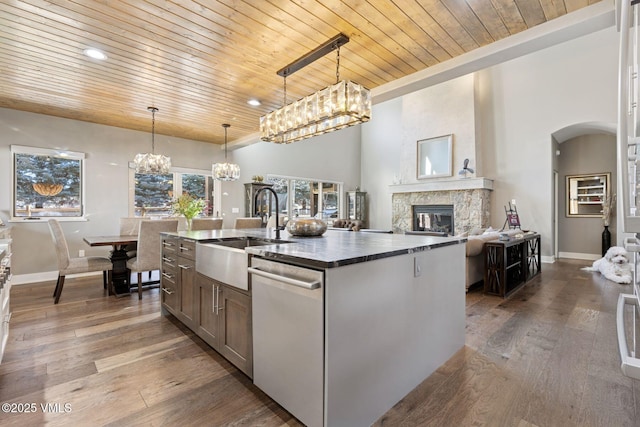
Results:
255 204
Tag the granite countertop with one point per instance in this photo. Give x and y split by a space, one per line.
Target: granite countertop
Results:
333 249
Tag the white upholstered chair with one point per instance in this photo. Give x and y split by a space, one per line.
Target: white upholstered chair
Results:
149 248
206 224
129 226
248 223
68 265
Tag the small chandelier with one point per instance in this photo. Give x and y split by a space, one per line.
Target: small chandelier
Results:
151 163
225 171
335 107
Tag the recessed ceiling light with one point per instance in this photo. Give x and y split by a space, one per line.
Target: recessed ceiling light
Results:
254 102
95 54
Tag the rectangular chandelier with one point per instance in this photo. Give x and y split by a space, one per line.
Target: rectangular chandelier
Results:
340 105
335 107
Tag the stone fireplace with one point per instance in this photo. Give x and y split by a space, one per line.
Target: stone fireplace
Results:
470 199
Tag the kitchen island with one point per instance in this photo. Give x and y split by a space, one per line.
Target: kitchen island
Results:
345 325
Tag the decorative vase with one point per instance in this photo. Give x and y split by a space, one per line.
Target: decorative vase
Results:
606 239
189 223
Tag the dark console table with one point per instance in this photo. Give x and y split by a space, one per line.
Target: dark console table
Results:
509 264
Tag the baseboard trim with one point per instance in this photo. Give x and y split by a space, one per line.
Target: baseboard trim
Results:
577 255
47 276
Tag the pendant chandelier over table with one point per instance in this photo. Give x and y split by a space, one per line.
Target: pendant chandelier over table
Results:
335 107
225 171
152 163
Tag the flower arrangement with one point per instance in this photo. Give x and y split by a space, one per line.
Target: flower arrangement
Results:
188 206
608 205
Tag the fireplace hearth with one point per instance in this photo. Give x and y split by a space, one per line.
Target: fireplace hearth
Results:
437 218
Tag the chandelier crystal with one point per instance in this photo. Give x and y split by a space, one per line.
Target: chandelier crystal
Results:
340 105
225 171
335 107
151 163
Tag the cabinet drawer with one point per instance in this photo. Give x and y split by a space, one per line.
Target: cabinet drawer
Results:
169 245
169 259
187 248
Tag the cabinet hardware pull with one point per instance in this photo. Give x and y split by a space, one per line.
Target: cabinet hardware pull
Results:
167 275
166 259
288 280
184 267
184 249
218 307
167 291
168 244
215 299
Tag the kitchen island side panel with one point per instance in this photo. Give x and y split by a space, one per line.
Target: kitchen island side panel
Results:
387 330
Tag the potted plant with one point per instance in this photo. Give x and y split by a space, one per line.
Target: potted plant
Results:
188 206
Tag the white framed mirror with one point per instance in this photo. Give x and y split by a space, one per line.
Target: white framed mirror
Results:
435 157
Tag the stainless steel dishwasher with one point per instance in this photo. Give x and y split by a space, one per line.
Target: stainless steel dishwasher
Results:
288 337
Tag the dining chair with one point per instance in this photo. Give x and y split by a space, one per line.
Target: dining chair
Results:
68 265
248 223
206 224
129 226
149 249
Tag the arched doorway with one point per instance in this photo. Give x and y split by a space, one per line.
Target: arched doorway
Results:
582 148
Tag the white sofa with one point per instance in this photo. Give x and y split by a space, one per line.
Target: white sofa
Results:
474 252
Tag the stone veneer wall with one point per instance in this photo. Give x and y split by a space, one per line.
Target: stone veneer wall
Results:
471 208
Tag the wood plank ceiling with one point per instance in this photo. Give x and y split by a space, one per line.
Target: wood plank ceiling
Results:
200 61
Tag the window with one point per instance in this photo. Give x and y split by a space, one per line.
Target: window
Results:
47 183
153 194
301 197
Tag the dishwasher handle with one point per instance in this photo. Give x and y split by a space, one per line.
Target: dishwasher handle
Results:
284 279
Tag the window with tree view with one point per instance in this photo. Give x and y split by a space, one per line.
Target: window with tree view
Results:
301 197
47 183
153 194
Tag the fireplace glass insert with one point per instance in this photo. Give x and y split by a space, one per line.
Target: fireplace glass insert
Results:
436 218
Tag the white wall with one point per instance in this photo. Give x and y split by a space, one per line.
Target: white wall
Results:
524 101
389 140
108 152
518 106
334 156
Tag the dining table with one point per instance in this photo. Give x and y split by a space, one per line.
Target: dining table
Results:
118 256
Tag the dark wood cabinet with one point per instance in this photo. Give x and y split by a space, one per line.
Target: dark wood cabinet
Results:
206 308
169 287
224 321
186 270
235 339
511 263
178 277
217 313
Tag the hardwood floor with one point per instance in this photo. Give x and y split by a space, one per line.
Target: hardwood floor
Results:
545 357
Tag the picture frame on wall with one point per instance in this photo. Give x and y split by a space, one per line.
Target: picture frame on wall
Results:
586 193
435 157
